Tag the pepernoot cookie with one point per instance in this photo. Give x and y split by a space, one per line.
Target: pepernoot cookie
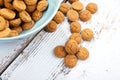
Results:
85 15
7 13
42 5
72 15
71 46
59 17
82 53
76 37
87 34
60 51
70 61
92 7
64 8
51 26
75 27
78 6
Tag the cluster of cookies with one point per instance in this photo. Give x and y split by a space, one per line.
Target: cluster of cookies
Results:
19 15
71 52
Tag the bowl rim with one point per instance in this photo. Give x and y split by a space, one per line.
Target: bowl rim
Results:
35 30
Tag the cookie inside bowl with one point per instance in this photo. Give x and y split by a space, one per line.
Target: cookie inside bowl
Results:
41 23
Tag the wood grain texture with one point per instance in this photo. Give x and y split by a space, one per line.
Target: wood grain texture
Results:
37 61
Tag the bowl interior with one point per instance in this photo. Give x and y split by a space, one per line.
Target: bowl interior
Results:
47 16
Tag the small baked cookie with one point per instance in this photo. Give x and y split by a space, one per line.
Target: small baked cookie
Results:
15 22
30 8
78 6
8 5
7 13
87 34
13 33
70 61
75 27
85 15
82 53
71 46
24 16
42 5
92 7
71 1
60 52
72 15
59 17
36 15
30 2
64 8
19 5
18 29
51 26
76 37
2 23
28 25
5 32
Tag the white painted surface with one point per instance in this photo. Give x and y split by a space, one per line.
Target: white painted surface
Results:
37 61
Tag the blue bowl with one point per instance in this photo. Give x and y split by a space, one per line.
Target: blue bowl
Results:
47 17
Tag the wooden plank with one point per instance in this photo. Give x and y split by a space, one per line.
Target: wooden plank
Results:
10 50
38 60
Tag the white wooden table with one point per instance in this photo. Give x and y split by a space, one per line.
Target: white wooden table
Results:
32 58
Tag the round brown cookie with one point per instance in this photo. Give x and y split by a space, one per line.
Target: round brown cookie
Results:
24 16
5 32
72 15
19 5
70 61
28 25
76 37
71 1
71 46
30 8
87 34
82 53
64 8
78 6
59 17
42 5
13 33
8 5
18 29
75 27
36 15
59 51
30 2
7 13
2 23
15 22
51 26
92 7
85 15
